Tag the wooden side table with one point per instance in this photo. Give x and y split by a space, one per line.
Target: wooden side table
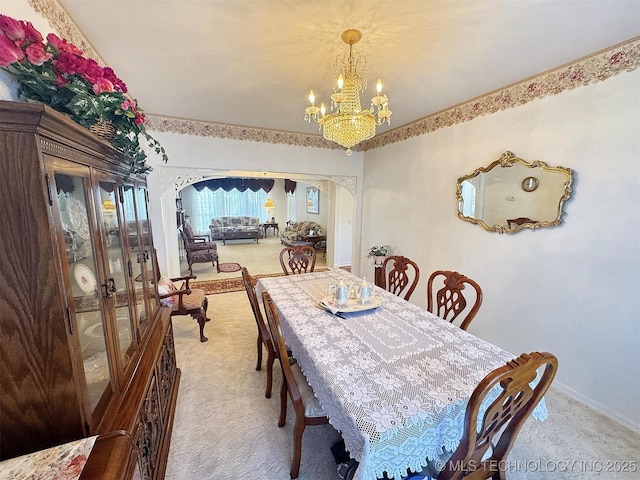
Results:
276 229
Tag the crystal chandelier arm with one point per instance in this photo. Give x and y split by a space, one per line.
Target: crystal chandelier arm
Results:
311 113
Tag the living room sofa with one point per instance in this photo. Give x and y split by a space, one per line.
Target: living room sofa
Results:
297 231
249 225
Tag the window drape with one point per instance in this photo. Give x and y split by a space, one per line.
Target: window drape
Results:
208 204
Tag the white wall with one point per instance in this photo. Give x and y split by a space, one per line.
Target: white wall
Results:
301 206
343 220
572 290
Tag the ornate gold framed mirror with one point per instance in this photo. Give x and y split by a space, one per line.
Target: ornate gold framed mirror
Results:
511 194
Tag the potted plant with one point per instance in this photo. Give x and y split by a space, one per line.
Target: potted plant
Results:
378 253
55 73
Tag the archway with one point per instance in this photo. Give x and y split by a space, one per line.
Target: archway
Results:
342 209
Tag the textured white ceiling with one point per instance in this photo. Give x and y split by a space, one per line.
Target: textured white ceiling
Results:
252 62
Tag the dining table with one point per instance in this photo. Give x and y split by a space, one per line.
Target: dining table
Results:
393 379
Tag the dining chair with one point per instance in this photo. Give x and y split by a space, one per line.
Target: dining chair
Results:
264 338
307 408
301 259
511 393
401 278
449 302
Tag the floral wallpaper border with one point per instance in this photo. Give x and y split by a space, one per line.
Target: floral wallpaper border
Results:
593 68
596 67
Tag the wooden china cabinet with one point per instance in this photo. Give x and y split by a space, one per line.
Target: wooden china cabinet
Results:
85 347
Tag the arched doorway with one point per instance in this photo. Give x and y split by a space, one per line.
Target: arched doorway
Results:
341 210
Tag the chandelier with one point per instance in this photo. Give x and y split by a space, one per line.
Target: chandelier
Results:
350 124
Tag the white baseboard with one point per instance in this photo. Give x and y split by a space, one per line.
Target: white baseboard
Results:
598 407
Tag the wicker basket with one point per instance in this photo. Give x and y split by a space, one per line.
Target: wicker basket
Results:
104 129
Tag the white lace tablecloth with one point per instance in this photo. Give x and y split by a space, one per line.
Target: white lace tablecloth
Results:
394 381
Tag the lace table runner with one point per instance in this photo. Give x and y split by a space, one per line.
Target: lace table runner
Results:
395 381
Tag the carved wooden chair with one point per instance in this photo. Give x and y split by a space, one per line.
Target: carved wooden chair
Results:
402 278
294 384
197 241
301 259
199 251
449 302
501 421
263 331
183 300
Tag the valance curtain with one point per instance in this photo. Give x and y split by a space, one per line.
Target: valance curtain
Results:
289 186
240 184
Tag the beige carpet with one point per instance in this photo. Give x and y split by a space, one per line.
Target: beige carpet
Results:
225 429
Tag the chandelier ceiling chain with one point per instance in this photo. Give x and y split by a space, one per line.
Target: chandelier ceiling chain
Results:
350 124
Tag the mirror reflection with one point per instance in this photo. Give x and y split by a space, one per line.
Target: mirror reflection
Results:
511 194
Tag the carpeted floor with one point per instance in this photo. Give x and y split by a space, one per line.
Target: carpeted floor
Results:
225 429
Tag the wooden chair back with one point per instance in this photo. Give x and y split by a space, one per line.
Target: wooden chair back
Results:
449 302
402 278
290 386
300 259
503 417
279 346
264 338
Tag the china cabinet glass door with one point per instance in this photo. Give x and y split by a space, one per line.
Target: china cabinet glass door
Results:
134 256
115 289
83 283
148 265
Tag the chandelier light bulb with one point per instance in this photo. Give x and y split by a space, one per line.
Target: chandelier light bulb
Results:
340 82
312 97
322 109
379 86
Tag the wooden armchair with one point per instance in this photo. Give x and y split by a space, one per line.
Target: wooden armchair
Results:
184 300
198 242
199 250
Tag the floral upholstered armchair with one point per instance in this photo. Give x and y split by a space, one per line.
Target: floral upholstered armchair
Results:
297 231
